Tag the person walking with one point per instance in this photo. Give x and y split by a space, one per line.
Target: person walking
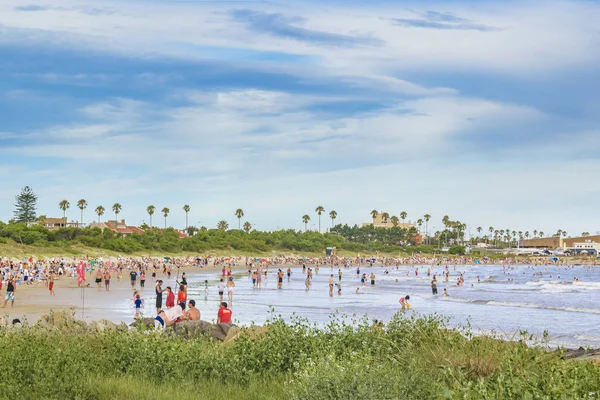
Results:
159 291
10 292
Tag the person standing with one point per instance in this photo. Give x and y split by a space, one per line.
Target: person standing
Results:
99 279
372 277
142 279
224 314
139 303
107 280
159 291
434 286
331 286
221 287
230 286
133 278
10 292
51 284
170 302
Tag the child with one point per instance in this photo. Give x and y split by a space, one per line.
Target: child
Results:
139 303
205 289
170 298
404 303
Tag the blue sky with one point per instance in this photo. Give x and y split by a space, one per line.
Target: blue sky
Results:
484 111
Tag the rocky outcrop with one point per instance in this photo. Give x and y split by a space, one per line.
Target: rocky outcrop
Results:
197 329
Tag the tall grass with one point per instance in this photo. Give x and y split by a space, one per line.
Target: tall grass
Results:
410 358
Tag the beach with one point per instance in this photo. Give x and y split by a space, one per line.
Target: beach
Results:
498 300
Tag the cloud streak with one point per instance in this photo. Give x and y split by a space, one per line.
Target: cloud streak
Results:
286 27
444 21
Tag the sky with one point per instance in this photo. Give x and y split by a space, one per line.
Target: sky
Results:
485 111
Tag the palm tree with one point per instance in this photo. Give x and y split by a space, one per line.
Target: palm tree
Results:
239 213
82 204
222 226
427 217
165 212
479 229
333 216
150 210
395 220
100 212
535 232
374 215
585 234
187 209
403 216
527 235
564 233
305 219
247 227
64 206
319 210
541 234
445 221
385 217
117 209
420 223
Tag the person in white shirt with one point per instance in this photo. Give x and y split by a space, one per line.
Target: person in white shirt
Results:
169 317
221 287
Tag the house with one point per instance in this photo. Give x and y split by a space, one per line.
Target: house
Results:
119 227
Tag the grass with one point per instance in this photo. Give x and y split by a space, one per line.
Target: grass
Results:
410 358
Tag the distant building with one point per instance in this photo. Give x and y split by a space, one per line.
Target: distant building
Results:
380 223
53 223
587 247
119 227
551 242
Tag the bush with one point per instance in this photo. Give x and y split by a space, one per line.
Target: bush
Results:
457 250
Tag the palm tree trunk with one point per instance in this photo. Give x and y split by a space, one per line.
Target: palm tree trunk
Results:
150 220
319 224
186 221
165 222
239 223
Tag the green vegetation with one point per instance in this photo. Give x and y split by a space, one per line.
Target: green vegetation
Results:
410 358
25 206
204 241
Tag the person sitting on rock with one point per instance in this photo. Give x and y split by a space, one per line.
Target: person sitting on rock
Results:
192 314
169 317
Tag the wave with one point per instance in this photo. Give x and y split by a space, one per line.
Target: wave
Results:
587 338
524 305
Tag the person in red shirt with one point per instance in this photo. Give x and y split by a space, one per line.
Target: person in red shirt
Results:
224 314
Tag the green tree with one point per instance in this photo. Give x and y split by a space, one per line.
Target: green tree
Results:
385 217
403 216
319 210
239 213
100 211
64 206
305 219
427 217
150 210
420 224
82 204
222 225
117 209
374 215
333 216
395 220
165 212
186 208
25 206
247 227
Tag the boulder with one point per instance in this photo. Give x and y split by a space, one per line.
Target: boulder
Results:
197 329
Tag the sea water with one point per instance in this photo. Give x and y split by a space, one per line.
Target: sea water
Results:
507 301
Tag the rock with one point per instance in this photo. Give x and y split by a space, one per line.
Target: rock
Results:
197 329
144 322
